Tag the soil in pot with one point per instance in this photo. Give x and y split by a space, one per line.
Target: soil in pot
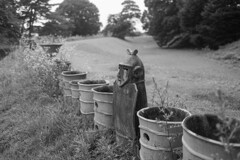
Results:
105 89
157 113
206 126
73 72
93 82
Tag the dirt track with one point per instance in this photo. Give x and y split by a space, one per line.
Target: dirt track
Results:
192 76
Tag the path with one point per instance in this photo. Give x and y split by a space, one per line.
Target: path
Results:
192 76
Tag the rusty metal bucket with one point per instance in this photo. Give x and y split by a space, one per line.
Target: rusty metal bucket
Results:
103 107
160 139
196 145
68 76
86 95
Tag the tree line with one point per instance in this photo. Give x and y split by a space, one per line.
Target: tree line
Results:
193 23
72 17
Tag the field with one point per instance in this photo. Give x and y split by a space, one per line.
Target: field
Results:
36 124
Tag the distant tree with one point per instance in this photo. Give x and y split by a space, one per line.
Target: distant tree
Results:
121 25
33 10
82 14
57 25
145 19
130 10
9 23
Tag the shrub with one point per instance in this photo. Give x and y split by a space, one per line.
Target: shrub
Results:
45 71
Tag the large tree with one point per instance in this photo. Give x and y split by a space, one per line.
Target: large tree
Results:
82 14
164 21
57 25
130 10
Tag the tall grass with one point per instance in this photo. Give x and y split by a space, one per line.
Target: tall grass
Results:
35 123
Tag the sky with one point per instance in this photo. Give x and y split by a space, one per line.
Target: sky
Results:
107 7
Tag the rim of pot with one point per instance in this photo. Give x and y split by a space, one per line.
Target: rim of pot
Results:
94 84
202 137
108 93
68 73
55 44
76 80
158 121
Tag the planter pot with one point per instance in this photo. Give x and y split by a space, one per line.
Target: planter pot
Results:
200 140
86 95
160 139
74 88
66 89
103 107
69 76
73 75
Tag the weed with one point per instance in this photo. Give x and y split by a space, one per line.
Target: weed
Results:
167 113
228 128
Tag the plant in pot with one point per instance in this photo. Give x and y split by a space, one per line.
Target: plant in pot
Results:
211 136
160 128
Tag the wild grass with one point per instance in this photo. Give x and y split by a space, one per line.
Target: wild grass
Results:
35 124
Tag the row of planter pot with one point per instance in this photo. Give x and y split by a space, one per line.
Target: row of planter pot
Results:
95 97
161 137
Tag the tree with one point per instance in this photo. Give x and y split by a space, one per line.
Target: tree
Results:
164 21
57 25
82 14
121 25
221 22
145 19
190 14
130 10
33 10
9 23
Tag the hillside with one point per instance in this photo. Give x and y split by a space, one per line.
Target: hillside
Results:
230 53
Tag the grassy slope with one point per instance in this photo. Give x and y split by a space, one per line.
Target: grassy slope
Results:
229 53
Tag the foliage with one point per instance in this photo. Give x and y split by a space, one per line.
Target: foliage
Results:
145 20
9 23
164 22
54 28
190 14
82 15
121 25
194 23
221 22
228 129
30 11
130 10
45 71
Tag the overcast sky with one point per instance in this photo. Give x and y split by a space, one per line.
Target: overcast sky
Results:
107 7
